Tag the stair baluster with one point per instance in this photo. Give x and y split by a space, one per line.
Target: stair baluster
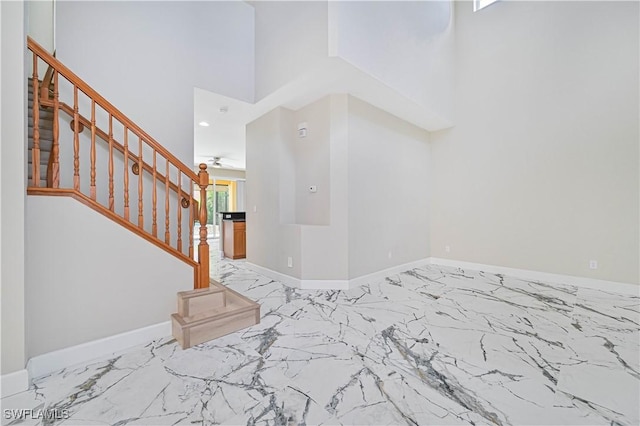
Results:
140 169
154 198
167 234
179 213
76 141
92 188
53 172
35 153
191 220
111 197
48 102
126 173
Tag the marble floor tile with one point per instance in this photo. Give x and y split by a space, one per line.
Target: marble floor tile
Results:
430 346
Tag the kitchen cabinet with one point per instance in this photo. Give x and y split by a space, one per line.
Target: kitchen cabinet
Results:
234 235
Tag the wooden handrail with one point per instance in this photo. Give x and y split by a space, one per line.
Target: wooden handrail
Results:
45 101
107 106
47 95
60 192
85 123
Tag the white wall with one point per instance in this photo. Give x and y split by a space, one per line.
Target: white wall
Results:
90 278
102 176
40 21
291 39
408 45
269 240
40 17
155 54
396 55
375 201
240 192
541 170
325 249
311 163
389 189
279 166
225 173
12 184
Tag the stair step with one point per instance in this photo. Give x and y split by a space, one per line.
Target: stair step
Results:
238 313
46 118
43 110
30 94
44 124
200 303
45 134
43 175
45 144
30 83
44 158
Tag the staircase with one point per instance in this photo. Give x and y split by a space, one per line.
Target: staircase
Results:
46 136
153 194
205 314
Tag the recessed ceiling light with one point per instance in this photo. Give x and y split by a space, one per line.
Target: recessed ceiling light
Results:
203 124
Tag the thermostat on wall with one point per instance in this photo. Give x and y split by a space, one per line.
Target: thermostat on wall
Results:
302 129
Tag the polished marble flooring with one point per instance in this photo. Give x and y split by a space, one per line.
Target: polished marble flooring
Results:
430 346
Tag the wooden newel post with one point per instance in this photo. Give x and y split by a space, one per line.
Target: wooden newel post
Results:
203 247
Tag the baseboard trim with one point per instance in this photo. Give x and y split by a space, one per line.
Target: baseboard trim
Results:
334 284
13 383
287 280
324 284
610 286
384 273
53 361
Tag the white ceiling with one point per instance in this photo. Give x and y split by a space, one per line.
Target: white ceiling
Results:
225 136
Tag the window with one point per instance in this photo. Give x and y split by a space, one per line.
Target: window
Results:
480 4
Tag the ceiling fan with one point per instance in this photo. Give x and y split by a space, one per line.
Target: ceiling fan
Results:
215 162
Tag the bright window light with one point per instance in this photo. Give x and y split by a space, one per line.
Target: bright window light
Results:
481 4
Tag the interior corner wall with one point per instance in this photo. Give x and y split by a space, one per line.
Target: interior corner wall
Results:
541 171
377 198
93 278
325 247
270 240
389 190
280 167
312 163
40 21
290 40
147 57
12 184
407 45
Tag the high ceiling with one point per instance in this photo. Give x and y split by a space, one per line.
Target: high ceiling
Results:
403 66
225 135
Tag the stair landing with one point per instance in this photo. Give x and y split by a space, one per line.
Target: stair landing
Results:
206 314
